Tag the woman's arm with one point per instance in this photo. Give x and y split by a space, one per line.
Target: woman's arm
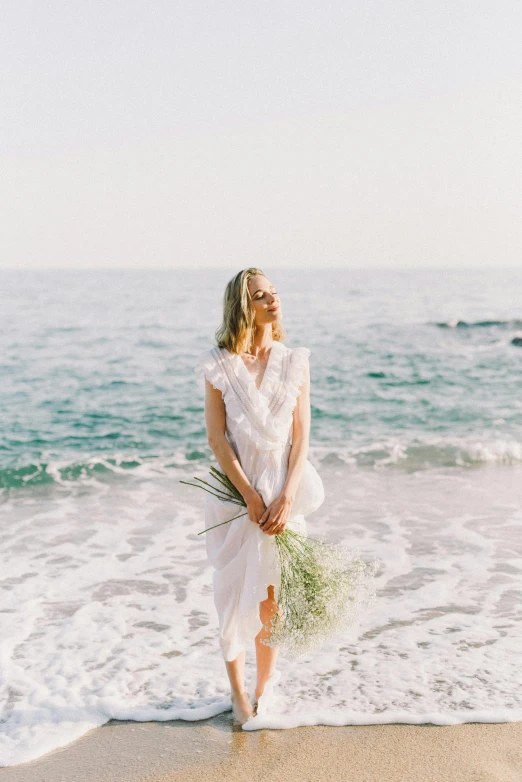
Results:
215 419
273 521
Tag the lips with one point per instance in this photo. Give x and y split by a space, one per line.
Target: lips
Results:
273 309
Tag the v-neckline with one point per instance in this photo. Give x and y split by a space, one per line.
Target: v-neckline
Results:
268 368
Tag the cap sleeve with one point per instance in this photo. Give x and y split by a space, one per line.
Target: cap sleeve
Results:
299 367
207 367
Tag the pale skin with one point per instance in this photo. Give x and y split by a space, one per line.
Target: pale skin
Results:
272 519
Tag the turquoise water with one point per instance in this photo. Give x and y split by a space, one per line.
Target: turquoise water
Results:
106 593
413 369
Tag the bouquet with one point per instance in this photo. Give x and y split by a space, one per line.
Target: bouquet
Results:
323 586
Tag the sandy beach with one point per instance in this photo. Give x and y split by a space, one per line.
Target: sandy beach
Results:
214 750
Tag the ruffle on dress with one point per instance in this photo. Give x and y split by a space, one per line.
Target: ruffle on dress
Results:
262 414
299 366
207 367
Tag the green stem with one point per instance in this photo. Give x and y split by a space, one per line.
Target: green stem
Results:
216 488
225 481
222 522
219 496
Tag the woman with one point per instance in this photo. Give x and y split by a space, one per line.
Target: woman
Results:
257 412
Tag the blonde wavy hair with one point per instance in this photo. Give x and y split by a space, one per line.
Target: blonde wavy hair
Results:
237 330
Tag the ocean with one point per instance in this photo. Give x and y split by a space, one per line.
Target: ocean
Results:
106 594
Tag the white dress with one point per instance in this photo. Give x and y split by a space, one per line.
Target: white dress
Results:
259 429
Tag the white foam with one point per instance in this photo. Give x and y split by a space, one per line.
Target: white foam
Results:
426 451
107 608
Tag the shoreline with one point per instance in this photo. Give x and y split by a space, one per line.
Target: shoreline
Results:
213 749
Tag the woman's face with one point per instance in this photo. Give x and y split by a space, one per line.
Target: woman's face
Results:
265 301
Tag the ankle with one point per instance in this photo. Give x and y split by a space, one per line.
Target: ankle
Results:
260 688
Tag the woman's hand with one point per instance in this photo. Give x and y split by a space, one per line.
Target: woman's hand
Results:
273 521
255 506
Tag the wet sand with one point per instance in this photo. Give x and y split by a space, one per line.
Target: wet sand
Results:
213 750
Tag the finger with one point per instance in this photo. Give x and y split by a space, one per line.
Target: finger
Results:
264 517
279 526
271 523
268 522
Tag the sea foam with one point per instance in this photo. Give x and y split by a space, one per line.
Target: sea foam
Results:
107 607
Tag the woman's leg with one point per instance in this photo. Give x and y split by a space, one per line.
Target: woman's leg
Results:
241 705
266 656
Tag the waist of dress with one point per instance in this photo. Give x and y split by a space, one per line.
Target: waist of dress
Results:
259 442
248 452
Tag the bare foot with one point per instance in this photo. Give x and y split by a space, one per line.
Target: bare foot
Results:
241 708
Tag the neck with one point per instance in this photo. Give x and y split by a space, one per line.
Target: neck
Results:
262 339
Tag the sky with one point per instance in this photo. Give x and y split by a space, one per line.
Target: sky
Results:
230 134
